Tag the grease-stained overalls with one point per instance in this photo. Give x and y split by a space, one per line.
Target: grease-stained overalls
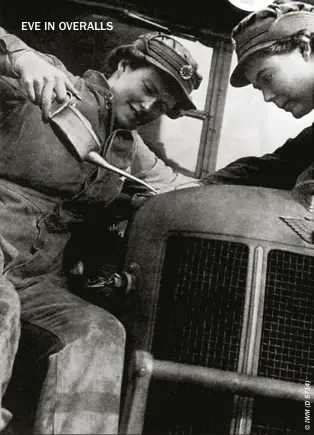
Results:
44 193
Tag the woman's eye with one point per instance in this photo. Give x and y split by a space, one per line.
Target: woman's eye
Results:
149 90
267 78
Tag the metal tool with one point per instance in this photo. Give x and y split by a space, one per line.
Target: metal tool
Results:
77 134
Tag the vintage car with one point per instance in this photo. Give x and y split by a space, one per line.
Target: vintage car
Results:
213 284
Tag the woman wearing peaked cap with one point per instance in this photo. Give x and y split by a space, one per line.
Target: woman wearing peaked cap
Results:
45 193
274 47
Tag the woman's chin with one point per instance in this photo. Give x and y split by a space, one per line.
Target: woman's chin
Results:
125 122
299 111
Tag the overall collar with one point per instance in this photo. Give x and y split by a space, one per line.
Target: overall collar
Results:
96 81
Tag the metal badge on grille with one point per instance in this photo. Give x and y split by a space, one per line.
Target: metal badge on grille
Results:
303 227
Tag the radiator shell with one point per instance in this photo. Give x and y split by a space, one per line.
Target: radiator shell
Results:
222 218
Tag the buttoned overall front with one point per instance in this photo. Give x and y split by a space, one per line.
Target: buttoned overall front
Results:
44 193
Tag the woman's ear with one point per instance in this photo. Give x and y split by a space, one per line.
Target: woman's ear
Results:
305 47
306 52
122 65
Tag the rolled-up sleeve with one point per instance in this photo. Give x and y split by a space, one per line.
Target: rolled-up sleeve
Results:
9 45
148 167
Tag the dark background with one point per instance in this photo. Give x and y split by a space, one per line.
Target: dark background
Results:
80 50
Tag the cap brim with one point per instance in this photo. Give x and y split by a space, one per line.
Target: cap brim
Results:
176 112
238 79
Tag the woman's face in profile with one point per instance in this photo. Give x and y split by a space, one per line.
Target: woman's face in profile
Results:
286 80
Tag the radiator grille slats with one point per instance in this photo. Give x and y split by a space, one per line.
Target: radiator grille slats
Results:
287 344
199 320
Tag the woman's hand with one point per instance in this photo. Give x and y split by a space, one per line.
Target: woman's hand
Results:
43 82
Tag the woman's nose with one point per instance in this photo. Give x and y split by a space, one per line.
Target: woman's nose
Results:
268 95
148 103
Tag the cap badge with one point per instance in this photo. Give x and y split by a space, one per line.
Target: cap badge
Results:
186 72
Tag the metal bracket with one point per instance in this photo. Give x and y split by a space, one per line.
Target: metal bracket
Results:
140 373
304 228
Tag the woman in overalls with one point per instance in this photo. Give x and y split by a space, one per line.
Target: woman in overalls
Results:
45 192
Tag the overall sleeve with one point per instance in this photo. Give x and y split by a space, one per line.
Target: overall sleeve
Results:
278 170
9 45
12 47
148 167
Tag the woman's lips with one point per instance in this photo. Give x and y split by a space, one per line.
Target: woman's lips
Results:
138 117
133 111
288 106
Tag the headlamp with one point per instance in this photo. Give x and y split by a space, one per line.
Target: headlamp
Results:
250 5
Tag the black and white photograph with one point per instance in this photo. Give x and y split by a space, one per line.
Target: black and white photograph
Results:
156 217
